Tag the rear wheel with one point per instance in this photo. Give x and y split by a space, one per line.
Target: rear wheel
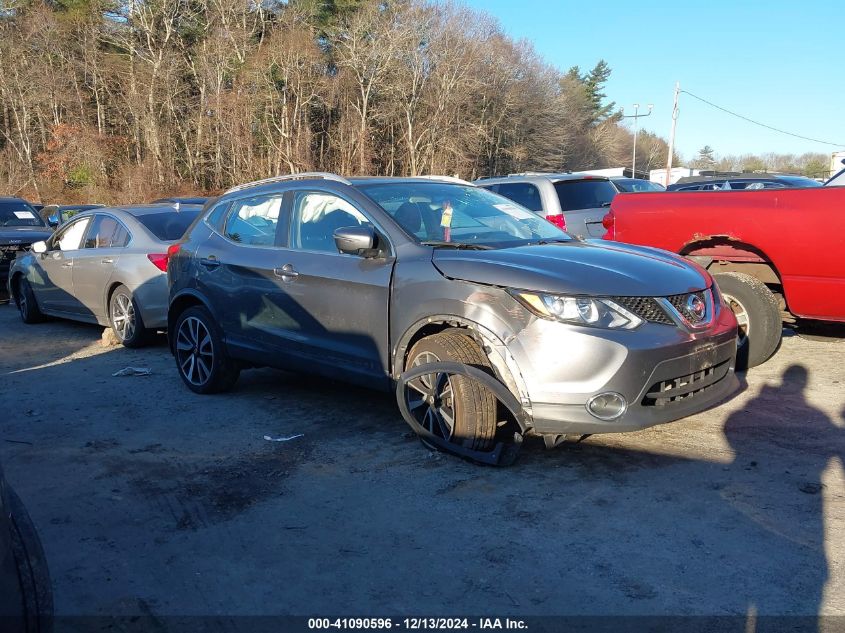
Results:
201 357
125 319
27 305
455 408
758 316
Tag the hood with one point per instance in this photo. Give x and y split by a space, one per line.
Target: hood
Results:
26 234
578 268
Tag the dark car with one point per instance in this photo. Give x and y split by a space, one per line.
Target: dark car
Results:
370 279
20 227
185 200
635 185
741 181
57 214
26 601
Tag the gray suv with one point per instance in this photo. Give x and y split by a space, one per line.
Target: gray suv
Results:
373 280
574 202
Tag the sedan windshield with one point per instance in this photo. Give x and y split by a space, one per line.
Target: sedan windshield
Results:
18 213
445 214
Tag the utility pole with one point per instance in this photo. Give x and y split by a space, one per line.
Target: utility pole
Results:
636 118
672 134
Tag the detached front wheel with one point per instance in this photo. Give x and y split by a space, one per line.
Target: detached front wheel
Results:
758 316
201 357
455 408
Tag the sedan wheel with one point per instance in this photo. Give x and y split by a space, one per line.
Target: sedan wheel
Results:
125 319
27 305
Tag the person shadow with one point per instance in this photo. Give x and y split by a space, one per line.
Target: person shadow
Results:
782 446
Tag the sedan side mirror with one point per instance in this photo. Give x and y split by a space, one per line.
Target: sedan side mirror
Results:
39 247
356 240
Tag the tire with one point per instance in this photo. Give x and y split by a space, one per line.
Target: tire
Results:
758 313
33 572
201 357
471 406
125 319
26 302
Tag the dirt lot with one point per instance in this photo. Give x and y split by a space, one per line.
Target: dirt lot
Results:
150 499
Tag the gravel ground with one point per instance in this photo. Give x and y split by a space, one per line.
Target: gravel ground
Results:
152 500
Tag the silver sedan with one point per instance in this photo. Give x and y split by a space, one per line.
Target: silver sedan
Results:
106 266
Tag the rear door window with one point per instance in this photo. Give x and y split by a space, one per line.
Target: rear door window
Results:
584 194
106 232
523 193
254 221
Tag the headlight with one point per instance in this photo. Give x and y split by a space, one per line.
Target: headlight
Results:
603 313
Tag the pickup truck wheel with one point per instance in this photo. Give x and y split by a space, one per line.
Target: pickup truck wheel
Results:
201 357
757 313
27 305
455 408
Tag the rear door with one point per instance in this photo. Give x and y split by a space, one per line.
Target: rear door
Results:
585 202
95 262
235 270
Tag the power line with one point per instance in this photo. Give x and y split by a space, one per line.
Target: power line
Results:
769 127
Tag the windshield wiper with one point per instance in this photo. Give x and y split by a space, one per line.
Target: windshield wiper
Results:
544 242
458 245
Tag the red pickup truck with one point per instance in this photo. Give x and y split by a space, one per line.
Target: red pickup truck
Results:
768 250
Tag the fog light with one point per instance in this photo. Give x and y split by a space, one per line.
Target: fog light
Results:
607 406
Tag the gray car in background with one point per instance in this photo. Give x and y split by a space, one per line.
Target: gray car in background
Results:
105 266
370 280
574 202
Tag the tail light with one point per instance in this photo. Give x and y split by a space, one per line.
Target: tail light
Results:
159 260
609 223
558 220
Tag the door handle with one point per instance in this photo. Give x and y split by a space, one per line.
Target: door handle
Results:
107 260
286 272
210 261
67 265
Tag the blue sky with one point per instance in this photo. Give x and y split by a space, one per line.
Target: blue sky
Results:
781 63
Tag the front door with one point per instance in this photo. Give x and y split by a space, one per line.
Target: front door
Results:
53 281
336 304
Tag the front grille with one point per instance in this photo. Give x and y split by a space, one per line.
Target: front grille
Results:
7 256
679 302
647 308
674 390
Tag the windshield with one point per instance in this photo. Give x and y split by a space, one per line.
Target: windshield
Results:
629 185
18 213
837 181
593 193
444 213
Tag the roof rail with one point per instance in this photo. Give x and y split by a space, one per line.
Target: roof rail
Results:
308 175
454 179
541 173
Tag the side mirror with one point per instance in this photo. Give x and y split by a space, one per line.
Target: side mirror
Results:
53 221
356 240
39 247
